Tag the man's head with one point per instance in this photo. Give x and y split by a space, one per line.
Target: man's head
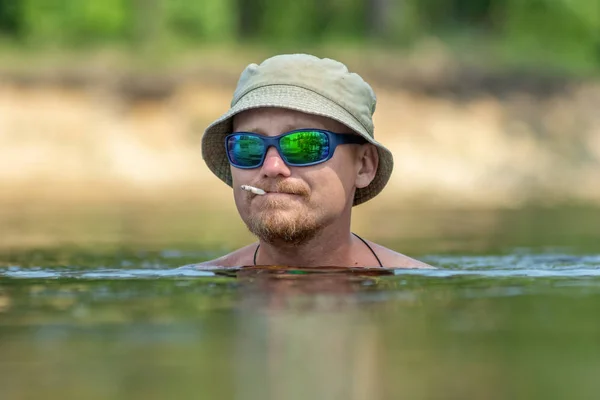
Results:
300 200
299 92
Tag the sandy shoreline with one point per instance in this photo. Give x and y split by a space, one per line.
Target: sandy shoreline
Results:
91 139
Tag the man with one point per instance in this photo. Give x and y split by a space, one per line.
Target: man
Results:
297 147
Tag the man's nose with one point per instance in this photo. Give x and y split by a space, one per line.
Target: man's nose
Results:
274 165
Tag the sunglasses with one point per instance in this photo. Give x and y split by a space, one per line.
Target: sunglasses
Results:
298 148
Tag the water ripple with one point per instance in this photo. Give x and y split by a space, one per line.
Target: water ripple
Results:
509 265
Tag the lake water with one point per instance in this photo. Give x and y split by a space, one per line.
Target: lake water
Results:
513 312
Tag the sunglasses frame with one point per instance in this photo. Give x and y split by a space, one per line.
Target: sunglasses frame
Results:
335 139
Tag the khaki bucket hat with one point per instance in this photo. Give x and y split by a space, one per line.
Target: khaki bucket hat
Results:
308 84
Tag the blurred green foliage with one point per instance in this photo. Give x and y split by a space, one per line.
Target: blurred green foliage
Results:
567 30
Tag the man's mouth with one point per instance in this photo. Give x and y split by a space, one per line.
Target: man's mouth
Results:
280 194
259 192
254 190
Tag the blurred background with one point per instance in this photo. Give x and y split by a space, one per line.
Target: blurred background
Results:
492 111
491 108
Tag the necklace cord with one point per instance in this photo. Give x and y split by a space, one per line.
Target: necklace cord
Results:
361 239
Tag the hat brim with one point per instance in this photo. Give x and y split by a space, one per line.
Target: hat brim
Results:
293 98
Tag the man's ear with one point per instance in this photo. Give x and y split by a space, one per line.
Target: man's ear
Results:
367 161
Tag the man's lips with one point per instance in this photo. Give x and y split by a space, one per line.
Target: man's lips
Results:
280 194
277 190
277 196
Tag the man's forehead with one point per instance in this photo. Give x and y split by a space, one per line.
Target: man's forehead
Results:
271 119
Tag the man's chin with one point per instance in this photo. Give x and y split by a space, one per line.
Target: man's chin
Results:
278 227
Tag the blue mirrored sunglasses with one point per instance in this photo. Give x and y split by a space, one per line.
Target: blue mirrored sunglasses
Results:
298 148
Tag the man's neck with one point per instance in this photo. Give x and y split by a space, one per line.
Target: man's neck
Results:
329 247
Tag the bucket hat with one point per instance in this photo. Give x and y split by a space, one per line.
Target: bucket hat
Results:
301 82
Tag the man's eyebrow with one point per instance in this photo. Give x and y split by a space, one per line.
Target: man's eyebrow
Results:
286 128
253 130
290 127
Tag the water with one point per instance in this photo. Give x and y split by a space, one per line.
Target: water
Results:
505 316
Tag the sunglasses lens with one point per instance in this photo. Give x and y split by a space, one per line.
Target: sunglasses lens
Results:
304 147
245 150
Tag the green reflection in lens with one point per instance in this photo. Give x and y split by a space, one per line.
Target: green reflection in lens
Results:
245 150
304 147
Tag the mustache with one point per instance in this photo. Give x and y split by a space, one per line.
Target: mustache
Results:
283 186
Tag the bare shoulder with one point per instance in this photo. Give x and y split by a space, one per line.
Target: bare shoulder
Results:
239 257
392 259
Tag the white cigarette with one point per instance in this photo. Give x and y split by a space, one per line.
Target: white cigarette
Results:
253 189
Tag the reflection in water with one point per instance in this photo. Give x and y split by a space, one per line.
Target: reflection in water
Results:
262 333
5 301
315 342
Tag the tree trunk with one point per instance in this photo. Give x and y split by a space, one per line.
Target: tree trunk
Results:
248 18
378 21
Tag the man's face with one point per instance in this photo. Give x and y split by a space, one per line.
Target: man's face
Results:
301 201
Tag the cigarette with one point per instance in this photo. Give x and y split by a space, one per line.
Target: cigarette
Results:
253 189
